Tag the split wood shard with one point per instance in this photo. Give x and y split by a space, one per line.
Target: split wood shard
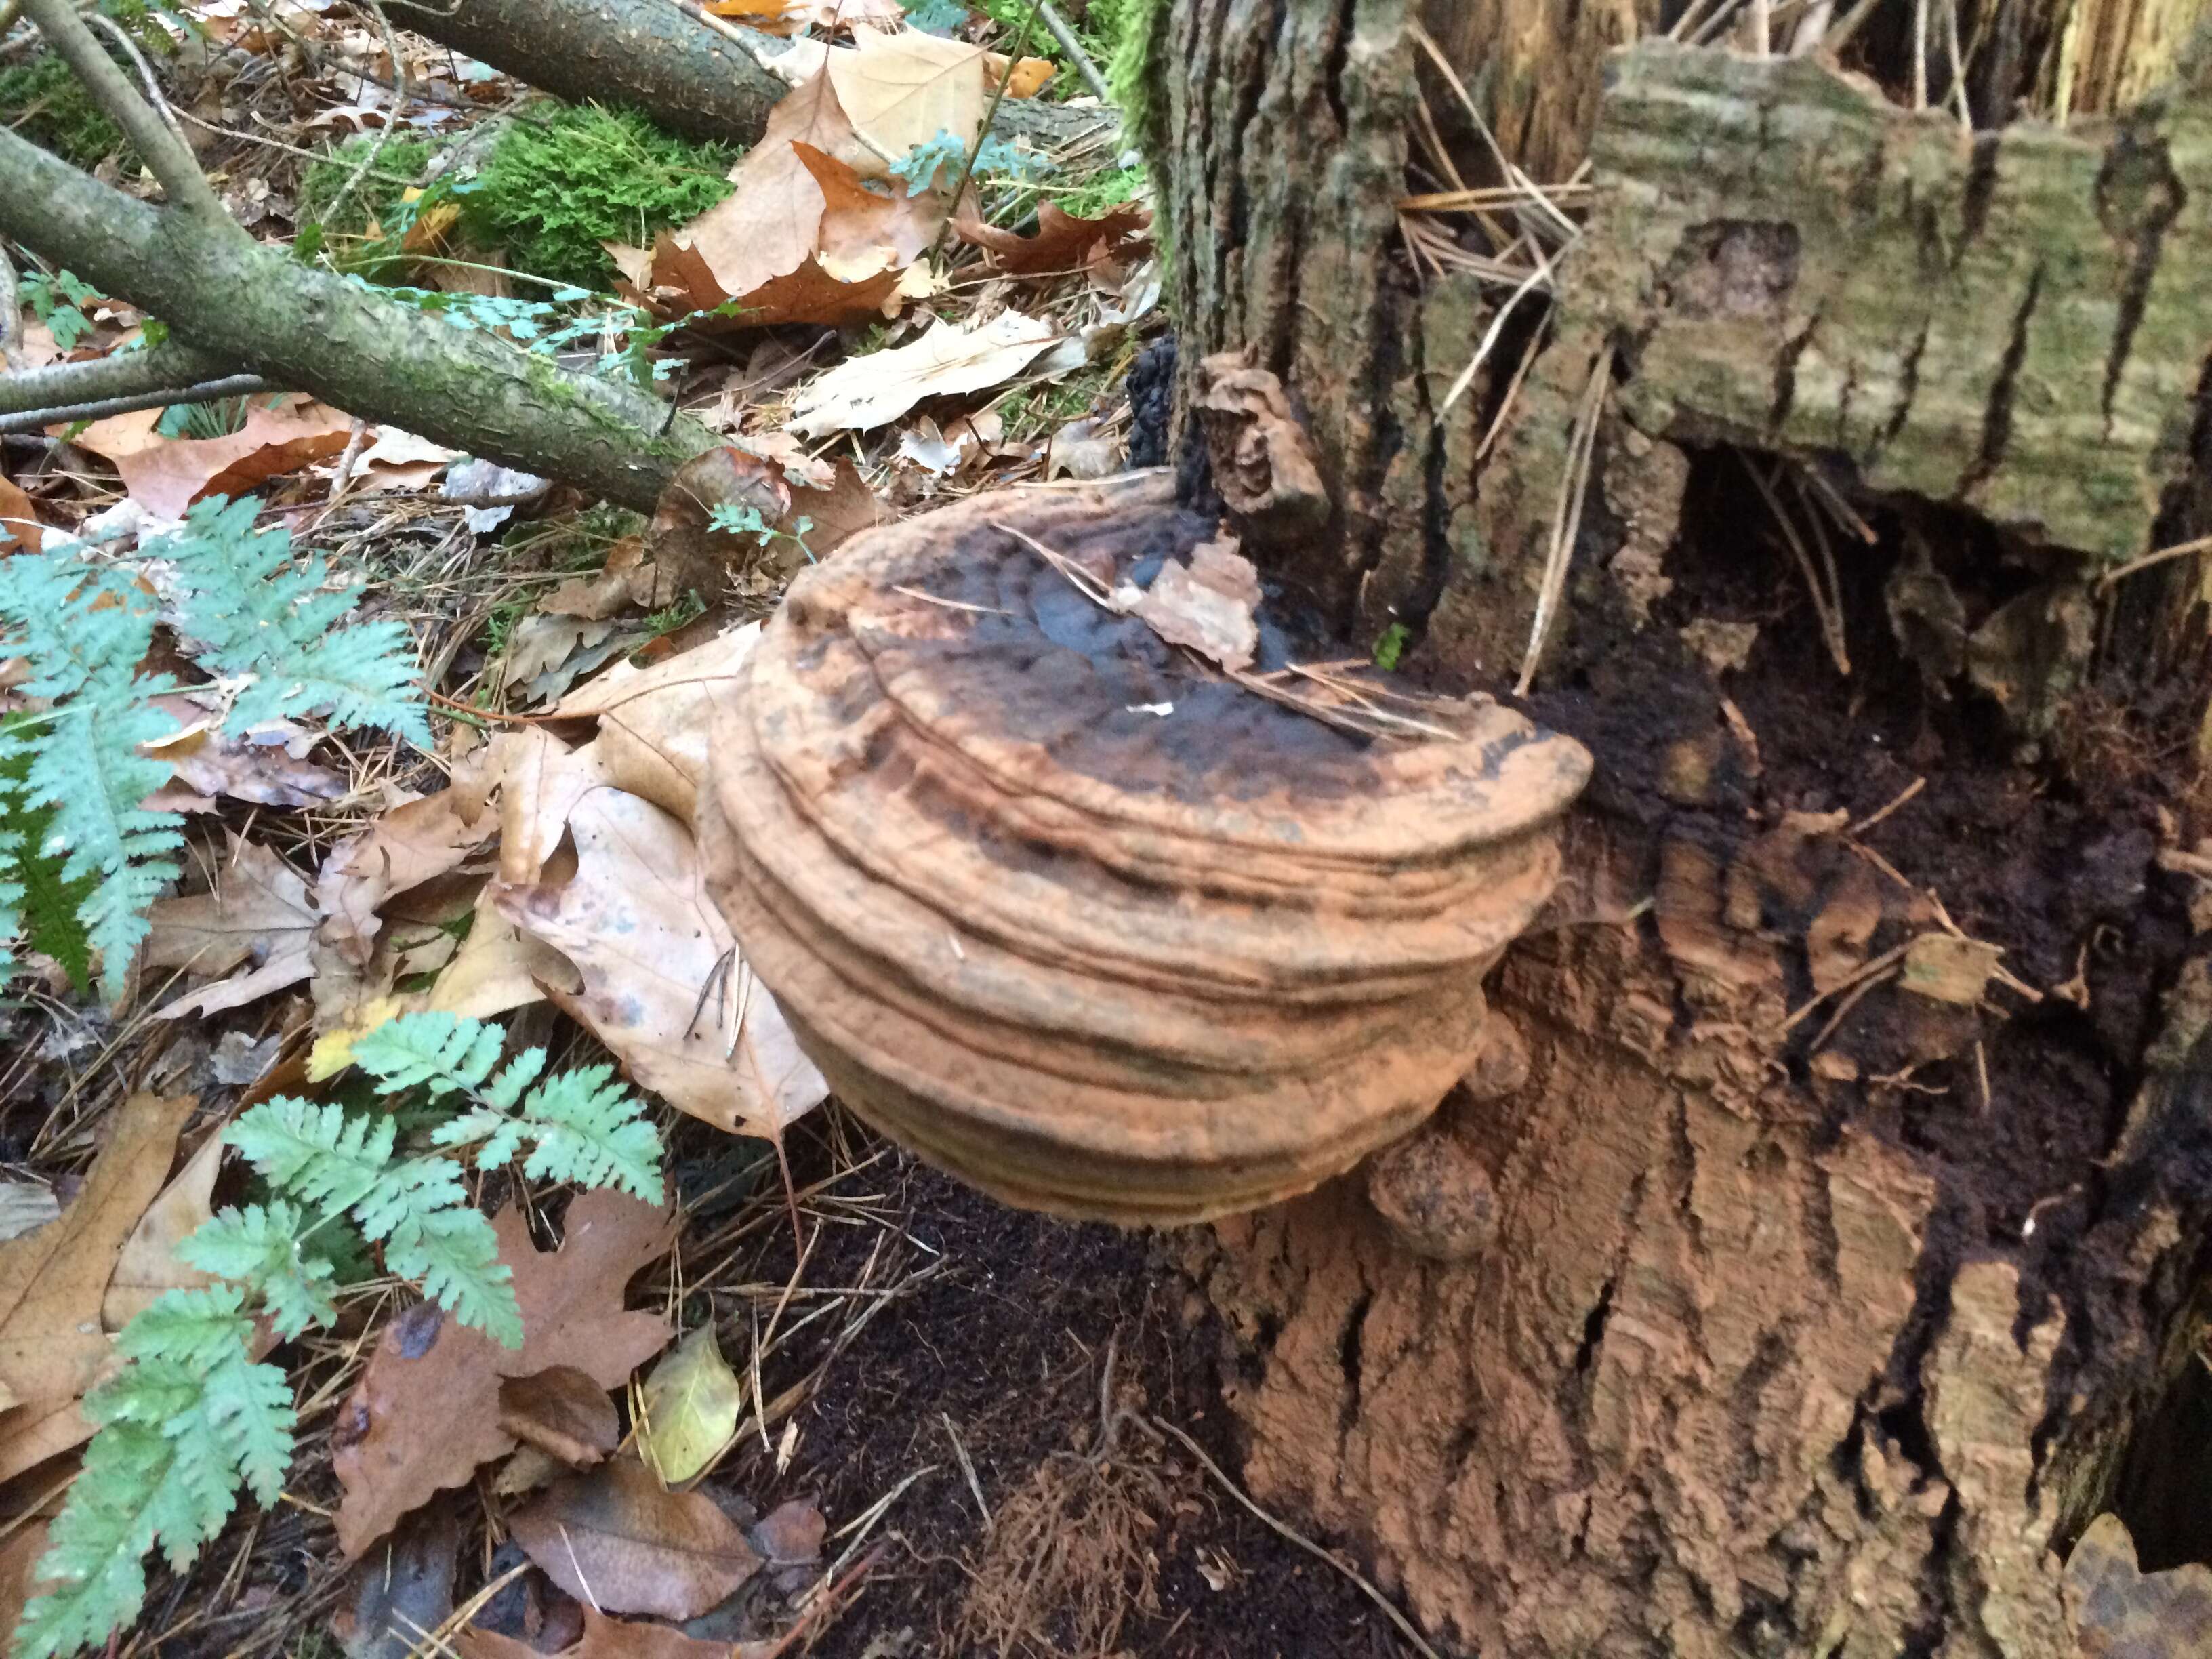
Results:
1091 957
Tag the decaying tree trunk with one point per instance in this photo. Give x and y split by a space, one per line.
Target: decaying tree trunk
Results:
1842 1243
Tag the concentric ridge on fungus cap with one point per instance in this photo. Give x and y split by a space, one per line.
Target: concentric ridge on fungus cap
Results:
1071 915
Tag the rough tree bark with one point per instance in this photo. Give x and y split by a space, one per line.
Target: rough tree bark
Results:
1834 1280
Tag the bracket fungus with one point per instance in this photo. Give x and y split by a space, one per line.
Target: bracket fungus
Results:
1065 911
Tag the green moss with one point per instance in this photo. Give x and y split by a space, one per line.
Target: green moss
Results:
44 102
566 178
401 162
1097 196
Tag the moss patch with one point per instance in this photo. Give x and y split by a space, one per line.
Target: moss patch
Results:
44 102
566 178
401 163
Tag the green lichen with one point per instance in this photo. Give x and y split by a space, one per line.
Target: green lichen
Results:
566 178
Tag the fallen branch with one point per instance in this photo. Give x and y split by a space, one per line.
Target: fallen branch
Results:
120 374
253 309
230 385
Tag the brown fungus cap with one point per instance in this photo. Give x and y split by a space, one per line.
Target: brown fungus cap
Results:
1059 907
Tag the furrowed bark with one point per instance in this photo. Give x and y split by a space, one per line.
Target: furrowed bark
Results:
251 308
1822 1314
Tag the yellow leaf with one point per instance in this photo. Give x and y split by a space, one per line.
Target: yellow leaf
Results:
334 1050
691 1404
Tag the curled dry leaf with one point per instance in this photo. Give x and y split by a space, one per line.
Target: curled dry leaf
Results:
427 1410
1264 463
628 580
700 558
399 851
1064 241
563 1413
875 390
541 781
267 766
53 1343
618 1541
653 721
1207 605
663 988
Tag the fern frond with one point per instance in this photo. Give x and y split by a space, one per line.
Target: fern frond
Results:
441 1052
271 620
259 1247
187 1419
316 1152
589 1132
455 1255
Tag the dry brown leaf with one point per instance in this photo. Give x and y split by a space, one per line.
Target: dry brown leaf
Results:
653 721
1207 605
21 529
427 1410
149 1265
902 90
266 766
628 579
617 1540
563 1413
875 390
259 910
399 850
52 1345
604 1638
166 477
637 922
498 968
541 781
802 238
118 435
840 512
1950 969
1063 241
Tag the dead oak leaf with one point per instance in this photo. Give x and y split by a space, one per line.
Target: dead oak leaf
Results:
652 948
53 1345
257 910
1208 604
617 1540
149 1266
653 721
427 1410
873 390
167 476
399 850
1063 242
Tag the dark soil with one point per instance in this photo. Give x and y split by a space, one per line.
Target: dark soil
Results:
1009 1341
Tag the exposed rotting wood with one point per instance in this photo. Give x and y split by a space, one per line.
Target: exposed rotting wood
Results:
1789 1309
2012 322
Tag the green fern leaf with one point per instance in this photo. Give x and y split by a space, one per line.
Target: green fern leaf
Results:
454 1253
441 1052
187 1419
259 1247
315 1152
589 1131
271 620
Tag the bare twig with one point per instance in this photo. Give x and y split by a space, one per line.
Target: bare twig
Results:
1567 517
119 374
11 313
232 385
375 150
2189 549
168 156
121 36
1072 44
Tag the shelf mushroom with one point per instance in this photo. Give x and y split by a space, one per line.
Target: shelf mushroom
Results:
1076 916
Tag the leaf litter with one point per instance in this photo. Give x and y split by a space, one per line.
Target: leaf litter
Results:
334 886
